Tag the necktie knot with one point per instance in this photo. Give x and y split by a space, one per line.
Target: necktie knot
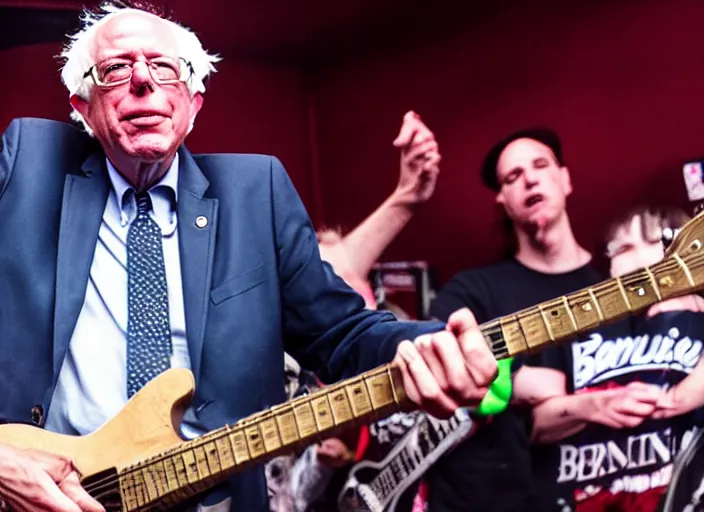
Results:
144 203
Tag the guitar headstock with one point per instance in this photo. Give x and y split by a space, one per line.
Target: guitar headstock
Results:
689 241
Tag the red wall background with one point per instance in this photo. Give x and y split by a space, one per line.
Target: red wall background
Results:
620 81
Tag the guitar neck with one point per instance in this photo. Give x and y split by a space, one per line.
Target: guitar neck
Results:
195 466
567 317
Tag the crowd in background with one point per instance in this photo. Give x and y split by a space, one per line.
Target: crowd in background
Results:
592 425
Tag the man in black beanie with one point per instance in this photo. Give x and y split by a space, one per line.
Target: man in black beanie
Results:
492 470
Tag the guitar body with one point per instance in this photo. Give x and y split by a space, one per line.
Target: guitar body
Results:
378 486
145 427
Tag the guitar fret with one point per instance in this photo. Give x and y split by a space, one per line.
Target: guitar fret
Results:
255 445
516 341
270 434
496 339
322 413
139 491
341 409
190 465
288 429
597 305
672 278
129 492
185 490
239 446
624 294
180 471
642 288
611 300
172 474
150 490
396 380
570 313
583 309
171 491
359 398
213 458
533 327
685 269
546 323
380 388
224 448
653 283
156 475
305 420
560 319
202 463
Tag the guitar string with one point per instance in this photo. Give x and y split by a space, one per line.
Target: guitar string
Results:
111 481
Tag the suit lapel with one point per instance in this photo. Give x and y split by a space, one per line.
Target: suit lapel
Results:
197 225
82 209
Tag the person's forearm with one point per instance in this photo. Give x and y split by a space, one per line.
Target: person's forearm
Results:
561 417
367 242
686 396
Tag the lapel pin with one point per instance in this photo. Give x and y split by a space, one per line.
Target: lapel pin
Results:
201 221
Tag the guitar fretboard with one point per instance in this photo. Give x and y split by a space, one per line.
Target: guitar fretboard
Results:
579 312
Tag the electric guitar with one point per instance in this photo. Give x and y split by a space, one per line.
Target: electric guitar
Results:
137 461
378 486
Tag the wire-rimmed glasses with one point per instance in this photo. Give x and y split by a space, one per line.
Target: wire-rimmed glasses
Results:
117 71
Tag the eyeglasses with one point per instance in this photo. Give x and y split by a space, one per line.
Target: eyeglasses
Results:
163 70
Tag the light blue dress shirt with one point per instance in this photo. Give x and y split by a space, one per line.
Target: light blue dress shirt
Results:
92 385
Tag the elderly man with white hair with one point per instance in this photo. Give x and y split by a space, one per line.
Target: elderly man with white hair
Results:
123 254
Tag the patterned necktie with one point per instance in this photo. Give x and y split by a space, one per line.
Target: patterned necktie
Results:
148 332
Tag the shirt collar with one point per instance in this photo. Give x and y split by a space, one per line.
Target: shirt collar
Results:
164 196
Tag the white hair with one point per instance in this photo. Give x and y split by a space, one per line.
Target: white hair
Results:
78 57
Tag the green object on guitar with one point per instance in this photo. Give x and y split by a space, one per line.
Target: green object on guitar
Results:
497 398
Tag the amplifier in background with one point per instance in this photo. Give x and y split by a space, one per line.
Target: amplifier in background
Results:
406 288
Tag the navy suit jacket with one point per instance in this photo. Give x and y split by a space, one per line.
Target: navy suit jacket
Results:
253 281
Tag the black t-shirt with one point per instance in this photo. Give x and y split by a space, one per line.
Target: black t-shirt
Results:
602 468
492 470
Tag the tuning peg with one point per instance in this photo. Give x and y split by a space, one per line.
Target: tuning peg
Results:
668 235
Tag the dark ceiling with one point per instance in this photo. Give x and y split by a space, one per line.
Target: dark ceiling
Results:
261 29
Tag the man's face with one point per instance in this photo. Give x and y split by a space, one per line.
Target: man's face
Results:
141 119
629 251
534 187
